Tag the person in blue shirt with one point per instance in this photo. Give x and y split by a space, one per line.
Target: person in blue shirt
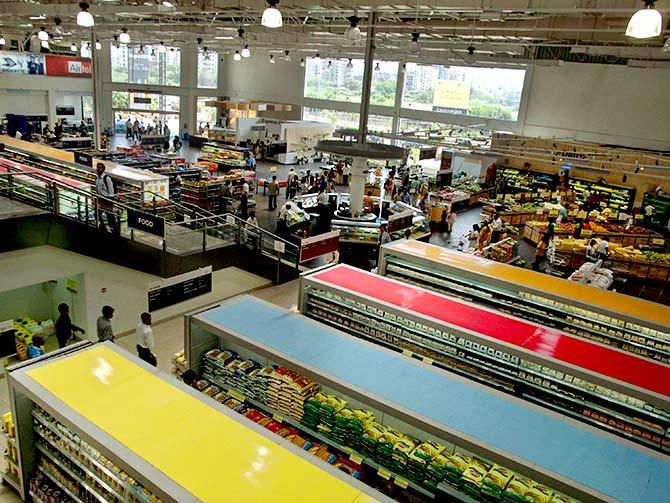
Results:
36 347
250 161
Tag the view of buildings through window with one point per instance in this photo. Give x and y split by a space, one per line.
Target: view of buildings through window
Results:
148 64
146 108
208 67
206 114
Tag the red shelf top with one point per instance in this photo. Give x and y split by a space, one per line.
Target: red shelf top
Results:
613 363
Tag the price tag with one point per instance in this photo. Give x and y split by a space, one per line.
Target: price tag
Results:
356 458
401 482
658 241
236 395
534 194
407 352
385 474
427 360
539 211
517 197
499 197
586 233
278 418
508 197
639 216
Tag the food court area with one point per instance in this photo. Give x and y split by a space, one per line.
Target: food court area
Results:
334 251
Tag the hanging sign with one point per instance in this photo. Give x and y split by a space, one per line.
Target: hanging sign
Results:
68 66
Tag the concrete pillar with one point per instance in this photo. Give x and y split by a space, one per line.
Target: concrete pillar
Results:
358 176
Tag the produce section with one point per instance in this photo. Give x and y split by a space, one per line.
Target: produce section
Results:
632 324
226 157
614 233
467 418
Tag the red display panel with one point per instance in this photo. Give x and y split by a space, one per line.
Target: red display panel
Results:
68 66
582 353
5 164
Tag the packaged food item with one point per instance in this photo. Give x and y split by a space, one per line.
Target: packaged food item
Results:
517 487
211 390
495 481
201 384
559 498
539 493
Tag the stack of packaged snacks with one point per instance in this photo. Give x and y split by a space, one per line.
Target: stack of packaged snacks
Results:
494 482
371 435
384 450
539 493
320 412
420 457
228 369
322 451
456 465
349 425
400 454
287 391
436 470
516 489
348 466
473 476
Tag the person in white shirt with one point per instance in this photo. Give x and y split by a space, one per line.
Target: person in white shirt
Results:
104 187
602 249
252 218
144 338
497 228
649 210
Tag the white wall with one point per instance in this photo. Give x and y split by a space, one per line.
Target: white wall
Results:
600 103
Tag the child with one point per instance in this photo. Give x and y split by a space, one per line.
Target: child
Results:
36 347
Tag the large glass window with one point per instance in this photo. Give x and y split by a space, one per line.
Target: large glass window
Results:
407 125
208 69
342 80
341 120
149 64
144 101
380 124
493 93
206 114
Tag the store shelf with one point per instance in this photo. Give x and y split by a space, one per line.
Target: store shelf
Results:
37 499
12 481
46 472
498 427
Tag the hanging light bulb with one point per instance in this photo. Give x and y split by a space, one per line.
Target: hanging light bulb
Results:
414 43
237 56
84 18
58 30
246 53
153 52
272 59
353 33
206 54
98 45
2 40
350 65
161 46
271 16
330 63
42 35
645 23
287 58
377 66
302 62
45 44
317 57
124 38
73 47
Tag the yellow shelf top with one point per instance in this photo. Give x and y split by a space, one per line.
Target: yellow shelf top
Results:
210 455
38 148
570 290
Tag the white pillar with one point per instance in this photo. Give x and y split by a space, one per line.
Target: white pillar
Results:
358 177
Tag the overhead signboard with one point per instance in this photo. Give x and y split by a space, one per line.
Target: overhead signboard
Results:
451 96
146 222
68 66
22 63
180 288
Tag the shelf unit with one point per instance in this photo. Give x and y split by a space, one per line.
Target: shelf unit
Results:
541 365
226 157
634 325
83 439
659 219
470 417
204 194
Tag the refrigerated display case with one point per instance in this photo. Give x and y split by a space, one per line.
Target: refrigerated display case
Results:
632 324
622 393
127 433
226 157
415 401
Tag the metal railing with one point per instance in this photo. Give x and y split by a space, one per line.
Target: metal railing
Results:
188 229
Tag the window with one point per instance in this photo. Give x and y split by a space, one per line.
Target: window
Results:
149 64
493 93
208 68
380 124
144 101
206 114
407 125
338 80
341 120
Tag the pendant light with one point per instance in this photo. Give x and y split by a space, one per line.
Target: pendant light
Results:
84 18
246 53
317 57
350 65
73 47
237 56
353 33
645 23
414 44
42 34
302 62
98 45
45 44
287 58
271 16
272 59
377 66
124 38
2 40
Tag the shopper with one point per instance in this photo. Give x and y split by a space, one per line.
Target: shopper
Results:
105 332
451 220
244 206
252 218
405 197
176 143
129 129
602 249
144 338
384 236
540 253
485 234
58 130
273 191
104 187
250 161
591 251
473 237
36 347
65 327
497 226
368 202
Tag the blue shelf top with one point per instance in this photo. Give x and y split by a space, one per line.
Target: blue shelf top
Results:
594 459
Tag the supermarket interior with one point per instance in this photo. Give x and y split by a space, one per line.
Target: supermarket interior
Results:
334 251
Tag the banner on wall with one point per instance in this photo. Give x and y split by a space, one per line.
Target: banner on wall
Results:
22 63
451 96
68 66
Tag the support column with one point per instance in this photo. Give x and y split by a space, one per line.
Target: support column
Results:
358 176
367 79
97 92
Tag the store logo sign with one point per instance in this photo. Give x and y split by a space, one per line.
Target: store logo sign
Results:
78 67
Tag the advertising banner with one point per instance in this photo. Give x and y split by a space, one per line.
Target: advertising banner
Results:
68 66
22 63
451 96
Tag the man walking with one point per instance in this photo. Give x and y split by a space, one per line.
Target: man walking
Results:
144 338
105 332
104 187
273 190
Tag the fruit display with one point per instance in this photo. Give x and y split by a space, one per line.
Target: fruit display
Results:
614 233
223 156
355 440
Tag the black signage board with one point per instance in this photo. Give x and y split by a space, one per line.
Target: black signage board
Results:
146 222
174 294
83 158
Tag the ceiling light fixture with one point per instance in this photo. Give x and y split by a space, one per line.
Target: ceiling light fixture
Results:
73 47
302 62
287 58
317 56
272 59
124 38
645 23
98 45
350 65
84 18
271 16
2 40
237 56
353 33
45 44
246 52
199 40
377 66
414 44
42 34
167 4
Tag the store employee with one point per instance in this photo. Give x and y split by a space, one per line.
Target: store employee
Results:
144 337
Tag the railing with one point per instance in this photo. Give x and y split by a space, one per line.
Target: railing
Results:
189 230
